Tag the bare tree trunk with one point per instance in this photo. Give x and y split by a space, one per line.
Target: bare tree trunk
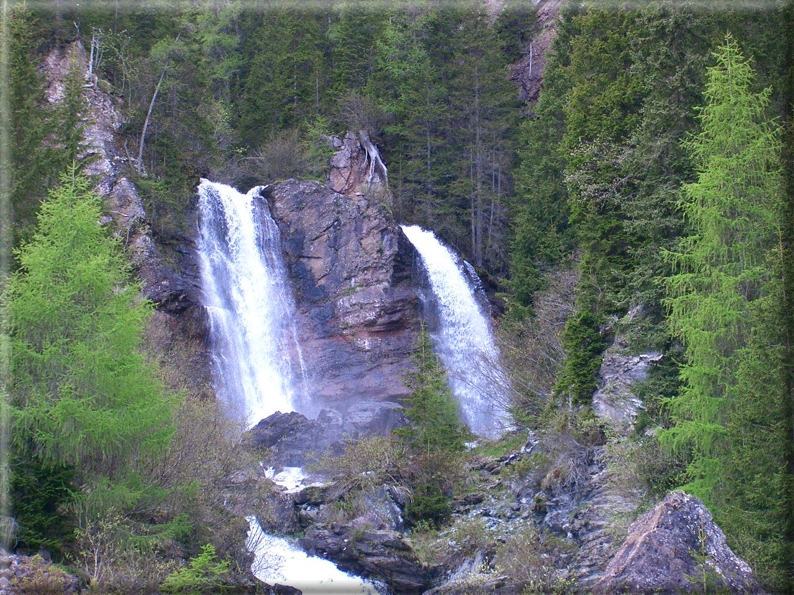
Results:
375 160
146 122
149 114
478 173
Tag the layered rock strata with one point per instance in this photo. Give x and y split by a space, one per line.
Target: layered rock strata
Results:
357 309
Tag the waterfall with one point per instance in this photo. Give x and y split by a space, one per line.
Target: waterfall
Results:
464 341
256 356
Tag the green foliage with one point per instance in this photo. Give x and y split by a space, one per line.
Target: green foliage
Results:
82 391
431 408
204 574
317 147
40 493
605 94
722 267
539 208
428 506
285 82
45 138
86 406
723 302
434 437
583 346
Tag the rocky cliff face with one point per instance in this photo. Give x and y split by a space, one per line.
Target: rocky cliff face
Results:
357 310
169 275
528 72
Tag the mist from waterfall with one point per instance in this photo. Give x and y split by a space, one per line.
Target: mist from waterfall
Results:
255 352
464 341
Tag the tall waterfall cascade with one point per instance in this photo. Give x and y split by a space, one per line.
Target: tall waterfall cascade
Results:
464 341
257 363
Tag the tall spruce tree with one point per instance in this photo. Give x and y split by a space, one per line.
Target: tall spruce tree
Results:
435 437
432 410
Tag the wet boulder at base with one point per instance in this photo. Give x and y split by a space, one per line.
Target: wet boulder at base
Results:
676 548
293 440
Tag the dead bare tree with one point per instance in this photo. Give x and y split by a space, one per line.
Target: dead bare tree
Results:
149 113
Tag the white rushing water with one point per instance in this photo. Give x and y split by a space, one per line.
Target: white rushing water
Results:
257 361
464 341
256 356
279 562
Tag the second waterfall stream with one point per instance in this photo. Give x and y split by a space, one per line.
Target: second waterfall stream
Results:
464 341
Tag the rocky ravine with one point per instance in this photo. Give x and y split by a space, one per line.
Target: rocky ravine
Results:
351 266
575 511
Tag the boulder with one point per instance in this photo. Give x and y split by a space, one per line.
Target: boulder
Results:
293 440
381 554
25 574
674 548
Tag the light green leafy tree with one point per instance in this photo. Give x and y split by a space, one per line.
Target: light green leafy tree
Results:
204 574
82 391
722 267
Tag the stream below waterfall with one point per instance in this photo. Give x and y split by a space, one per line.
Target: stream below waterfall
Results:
279 562
258 365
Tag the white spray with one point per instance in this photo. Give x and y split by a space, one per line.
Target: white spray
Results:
249 301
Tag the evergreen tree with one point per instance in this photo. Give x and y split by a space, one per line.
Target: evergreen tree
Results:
722 267
484 107
434 437
601 111
286 79
432 410
722 304
407 84
541 235
81 387
84 401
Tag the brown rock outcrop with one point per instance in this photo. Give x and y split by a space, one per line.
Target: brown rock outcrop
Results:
357 167
673 548
381 554
528 72
357 311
